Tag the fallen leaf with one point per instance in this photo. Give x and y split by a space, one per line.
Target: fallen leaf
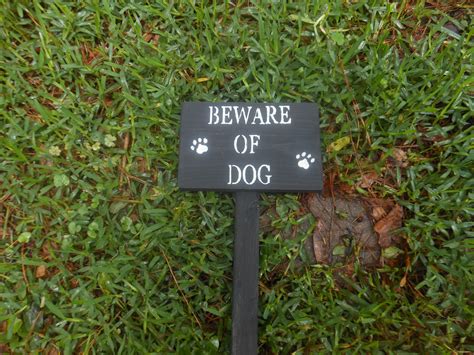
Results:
47 250
24 237
74 283
386 204
391 252
40 271
338 144
385 227
115 207
201 80
339 250
400 157
367 180
345 189
148 36
61 180
53 351
337 37
403 281
378 213
141 165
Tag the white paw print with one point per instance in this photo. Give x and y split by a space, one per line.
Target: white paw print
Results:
304 160
200 145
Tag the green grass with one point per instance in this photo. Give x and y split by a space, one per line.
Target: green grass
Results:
133 265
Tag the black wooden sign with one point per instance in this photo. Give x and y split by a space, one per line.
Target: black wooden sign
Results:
246 148
250 146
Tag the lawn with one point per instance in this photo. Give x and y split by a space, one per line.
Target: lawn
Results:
100 252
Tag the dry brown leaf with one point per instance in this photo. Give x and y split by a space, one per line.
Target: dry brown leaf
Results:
345 189
108 101
400 157
387 225
367 180
141 165
403 281
53 351
378 213
89 53
47 250
148 36
41 271
386 204
74 283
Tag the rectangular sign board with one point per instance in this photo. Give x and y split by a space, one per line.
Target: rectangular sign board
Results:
228 146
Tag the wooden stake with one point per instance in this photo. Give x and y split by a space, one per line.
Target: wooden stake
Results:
245 279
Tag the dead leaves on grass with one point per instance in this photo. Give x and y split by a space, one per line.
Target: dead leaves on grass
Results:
343 232
369 179
387 217
386 226
355 228
41 272
399 158
89 53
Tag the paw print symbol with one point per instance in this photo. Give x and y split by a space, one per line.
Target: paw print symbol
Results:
304 160
200 145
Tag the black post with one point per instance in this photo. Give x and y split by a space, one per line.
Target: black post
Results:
245 283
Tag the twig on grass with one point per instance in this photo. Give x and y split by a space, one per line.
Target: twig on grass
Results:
355 104
4 197
23 269
31 330
126 142
180 290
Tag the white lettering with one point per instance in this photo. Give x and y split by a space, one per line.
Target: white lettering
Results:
239 115
230 175
271 114
236 141
226 114
254 138
258 115
249 174
254 174
213 112
285 111
267 176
